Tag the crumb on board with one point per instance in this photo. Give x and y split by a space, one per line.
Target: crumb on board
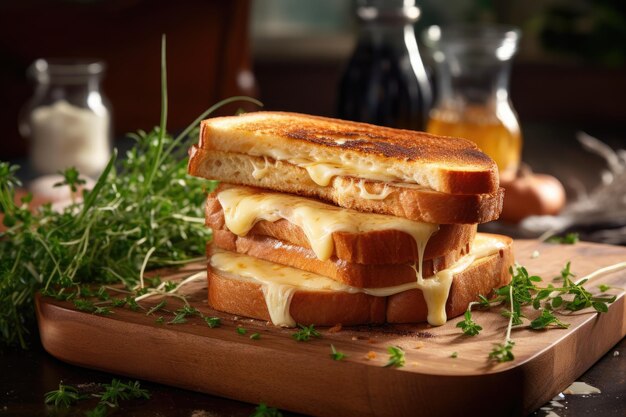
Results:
336 328
418 345
370 355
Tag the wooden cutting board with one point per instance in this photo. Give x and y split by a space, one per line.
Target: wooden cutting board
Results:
302 377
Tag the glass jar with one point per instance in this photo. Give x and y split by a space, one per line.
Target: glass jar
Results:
385 82
473 67
68 119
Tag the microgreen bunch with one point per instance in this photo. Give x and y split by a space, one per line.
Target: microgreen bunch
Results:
143 212
262 410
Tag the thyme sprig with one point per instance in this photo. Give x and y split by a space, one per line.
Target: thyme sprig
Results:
524 290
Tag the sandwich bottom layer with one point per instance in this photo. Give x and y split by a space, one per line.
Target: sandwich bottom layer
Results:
247 286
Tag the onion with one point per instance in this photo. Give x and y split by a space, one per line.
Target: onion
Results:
531 194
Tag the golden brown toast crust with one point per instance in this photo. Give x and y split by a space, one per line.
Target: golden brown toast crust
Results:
355 275
458 166
417 204
322 308
380 247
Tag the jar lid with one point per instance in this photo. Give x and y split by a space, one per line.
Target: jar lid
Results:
44 69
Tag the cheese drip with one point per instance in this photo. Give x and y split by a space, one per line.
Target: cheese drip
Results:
279 282
243 208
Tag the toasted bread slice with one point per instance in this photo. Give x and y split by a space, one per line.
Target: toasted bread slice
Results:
244 296
395 199
355 275
448 165
377 247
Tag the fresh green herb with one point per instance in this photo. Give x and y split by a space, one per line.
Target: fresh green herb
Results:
109 397
305 333
503 352
213 322
103 294
182 313
71 178
604 287
454 355
335 354
568 239
118 390
547 318
524 290
262 410
241 331
169 286
65 396
143 211
157 307
104 311
469 326
396 357
132 303
255 336
160 320
84 305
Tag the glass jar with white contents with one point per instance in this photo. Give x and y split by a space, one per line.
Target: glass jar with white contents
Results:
68 120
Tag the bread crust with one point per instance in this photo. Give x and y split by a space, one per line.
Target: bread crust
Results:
322 308
326 308
371 248
355 275
414 203
450 165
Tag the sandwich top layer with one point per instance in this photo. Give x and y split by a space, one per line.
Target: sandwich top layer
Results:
327 148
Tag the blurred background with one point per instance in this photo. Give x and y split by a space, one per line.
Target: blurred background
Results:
568 75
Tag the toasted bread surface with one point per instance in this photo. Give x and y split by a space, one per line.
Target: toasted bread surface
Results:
327 308
378 247
402 200
445 164
352 274
322 308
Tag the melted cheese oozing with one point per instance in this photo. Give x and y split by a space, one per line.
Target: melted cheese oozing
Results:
436 289
279 282
260 171
243 208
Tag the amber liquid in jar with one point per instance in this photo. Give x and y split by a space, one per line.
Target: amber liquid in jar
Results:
498 135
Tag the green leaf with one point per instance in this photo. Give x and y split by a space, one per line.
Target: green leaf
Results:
255 336
469 327
262 410
600 307
241 331
335 354
213 322
502 352
306 333
396 357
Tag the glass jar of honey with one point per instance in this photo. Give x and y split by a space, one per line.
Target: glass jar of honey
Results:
473 67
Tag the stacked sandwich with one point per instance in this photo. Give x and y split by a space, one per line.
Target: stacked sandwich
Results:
324 221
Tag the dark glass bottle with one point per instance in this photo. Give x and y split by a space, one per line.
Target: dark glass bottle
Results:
385 82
